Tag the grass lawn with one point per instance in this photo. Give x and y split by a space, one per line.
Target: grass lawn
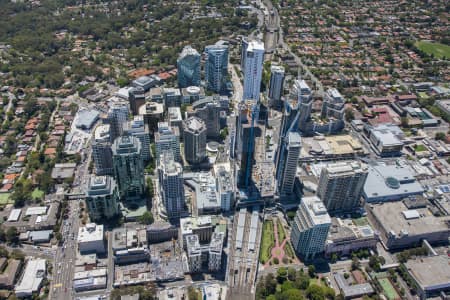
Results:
37 194
423 95
281 233
388 289
361 221
268 241
4 199
420 148
288 250
437 49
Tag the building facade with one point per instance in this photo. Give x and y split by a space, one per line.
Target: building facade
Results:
188 64
208 110
276 84
341 186
253 68
117 115
287 163
167 138
310 228
170 175
102 197
136 97
194 132
101 150
216 66
245 140
139 130
129 167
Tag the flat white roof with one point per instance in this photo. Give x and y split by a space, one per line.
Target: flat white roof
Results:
89 233
37 210
32 277
14 215
411 214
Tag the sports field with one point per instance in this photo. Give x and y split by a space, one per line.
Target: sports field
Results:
388 289
438 50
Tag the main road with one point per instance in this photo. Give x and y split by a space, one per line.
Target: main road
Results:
273 23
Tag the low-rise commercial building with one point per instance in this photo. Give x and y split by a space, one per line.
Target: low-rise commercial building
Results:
130 245
90 280
31 280
400 227
346 237
91 239
161 231
9 269
206 197
390 183
431 275
386 138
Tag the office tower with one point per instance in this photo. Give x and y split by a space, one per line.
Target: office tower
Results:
341 186
128 167
139 129
287 163
102 197
208 110
245 140
152 112
194 136
216 66
276 84
101 150
167 138
224 183
244 45
174 118
171 185
254 58
188 67
172 97
136 97
310 228
333 105
117 115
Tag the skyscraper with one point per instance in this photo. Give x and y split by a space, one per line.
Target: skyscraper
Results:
303 95
117 115
194 132
310 228
216 66
287 163
128 167
136 97
101 150
245 140
170 175
276 84
253 67
244 45
102 197
188 64
139 129
341 186
167 138
208 110
333 105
